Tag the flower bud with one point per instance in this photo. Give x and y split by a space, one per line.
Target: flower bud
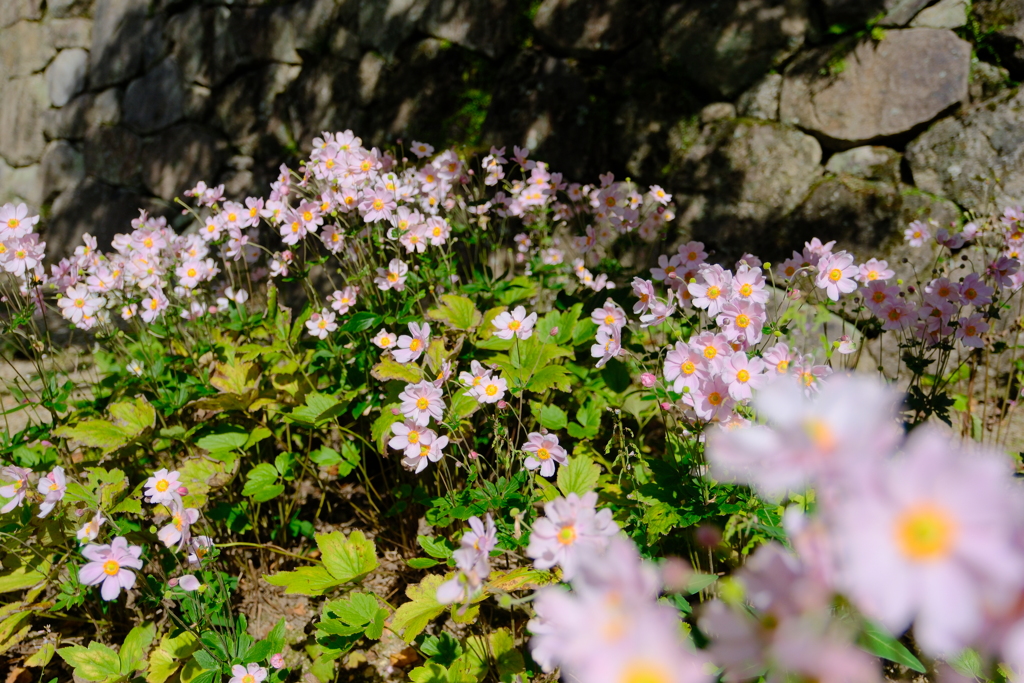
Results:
182 490
502 405
554 332
666 406
648 380
277 660
473 455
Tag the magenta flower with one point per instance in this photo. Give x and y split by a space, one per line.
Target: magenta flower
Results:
110 565
970 329
569 524
422 401
545 452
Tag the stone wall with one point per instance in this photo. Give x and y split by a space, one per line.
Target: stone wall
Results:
771 120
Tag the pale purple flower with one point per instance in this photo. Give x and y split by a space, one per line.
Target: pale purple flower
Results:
743 375
409 436
711 401
384 339
430 450
110 565
712 288
916 234
188 583
609 316
643 290
545 453
742 321
659 312
422 401
321 324
970 329
974 290
392 277
341 301
489 390
748 284
608 346
874 269
91 529
569 524
685 368
253 673
16 486
836 275
178 530
53 487
514 324
411 346
78 302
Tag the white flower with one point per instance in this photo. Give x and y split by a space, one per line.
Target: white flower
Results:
514 324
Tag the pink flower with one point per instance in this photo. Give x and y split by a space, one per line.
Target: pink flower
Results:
78 302
421 149
974 291
692 255
53 487
608 346
392 277
932 540
253 673
162 487
667 270
490 389
713 347
685 368
110 565
15 222
647 380
778 359
411 346
378 205
384 339
743 374
277 660
897 315
659 195
514 324
178 531
422 401
742 321
430 450
877 294
660 311
188 583
970 329
916 234
154 304
608 316
16 486
836 275
545 453
408 437
748 284
644 292
569 524
321 324
712 288
342 301
472 559
91 529
873 270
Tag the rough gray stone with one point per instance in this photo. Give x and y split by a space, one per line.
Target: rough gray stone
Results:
345 44
976 159
944 14
65 77
13 11
745 175
313 22
185 37
717 111
65 33
24 50
902 11
726 45
868 163
114 155
178 158
880 90
762 100
83 115
987 80
68 8
156 100
117 41
370 68
92 207
20 185
1003 22
581 26
855 13
22 103
385 25
62 168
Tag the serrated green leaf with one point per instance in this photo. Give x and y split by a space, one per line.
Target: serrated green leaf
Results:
223 438
347 559
261 483
130 420
435 547
23 577
580 476
133 649
457 312
412 617
303 581
876 640
463 405
550 377
380 430
169 655
94 663
134 417
552 417
388 369
319 408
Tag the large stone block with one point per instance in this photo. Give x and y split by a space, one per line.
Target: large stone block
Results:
156 100
65 33
855 13
386 24
726 45
114 155
65 77
13 11
877 89
83 115
582 26
22 103
1003 22
20 185
91 207
117 41
179 157
976 159
24 50
62 168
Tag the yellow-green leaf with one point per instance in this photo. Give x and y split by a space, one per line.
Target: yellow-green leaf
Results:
304 580
412 617
388 368
94 663
457 312
168 656
347 559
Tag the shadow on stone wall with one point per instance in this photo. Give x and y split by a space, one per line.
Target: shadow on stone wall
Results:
738 107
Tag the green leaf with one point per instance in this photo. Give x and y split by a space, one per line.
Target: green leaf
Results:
463 405
876 640
388 368
616 376
412 617
303 581
435 547
261 483
422 563
519 289
457 312
347 559
22 577
509 661
94 663
363 320
585 332
319 409
258 652
133 649
550 377
579 476
552 417
223 438
969 664
132 418
169 655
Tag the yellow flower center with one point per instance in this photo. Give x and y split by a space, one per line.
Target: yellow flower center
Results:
13 223
378 204
415 344
252 212
710 352
835 275
413 436
79 303
423 403
491 389
970 330
925 532
743 376
872 275
514 325
692 256
640 671
742 321
162 485
567 535
191 272
307 216
688 368
385 341
111 567
392 277
609 319
543 454
746 290
715 398
248 678
713 292
437 232
782 366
